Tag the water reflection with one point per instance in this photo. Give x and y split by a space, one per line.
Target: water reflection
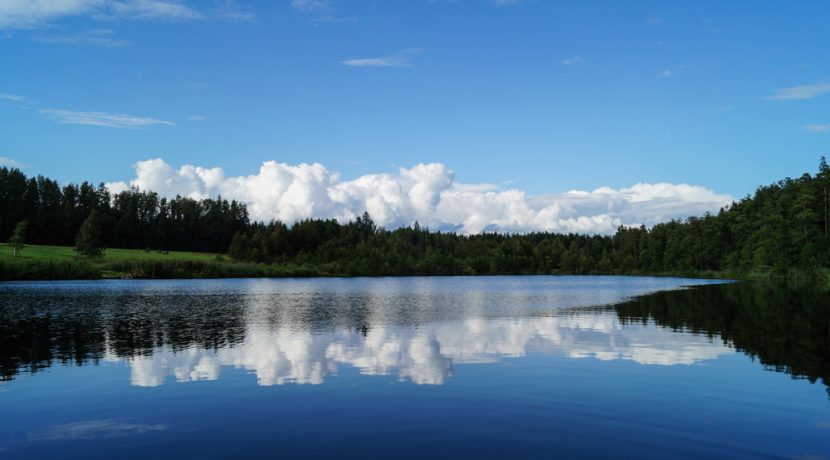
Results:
426 355
418 330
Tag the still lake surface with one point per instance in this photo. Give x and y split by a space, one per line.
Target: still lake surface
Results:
469 367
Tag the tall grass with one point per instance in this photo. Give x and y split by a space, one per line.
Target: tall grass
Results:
46 269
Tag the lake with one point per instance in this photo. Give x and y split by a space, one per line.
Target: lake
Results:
467 367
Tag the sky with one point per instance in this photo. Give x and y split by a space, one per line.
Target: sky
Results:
470 115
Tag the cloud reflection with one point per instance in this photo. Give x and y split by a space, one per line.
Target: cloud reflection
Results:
427 354
93 429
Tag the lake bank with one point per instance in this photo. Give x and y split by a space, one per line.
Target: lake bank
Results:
43 263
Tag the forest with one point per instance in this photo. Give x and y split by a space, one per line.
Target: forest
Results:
780 230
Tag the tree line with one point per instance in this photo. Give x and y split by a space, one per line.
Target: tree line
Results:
782 227
54 215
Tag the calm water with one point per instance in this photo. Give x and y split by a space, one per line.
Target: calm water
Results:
501 367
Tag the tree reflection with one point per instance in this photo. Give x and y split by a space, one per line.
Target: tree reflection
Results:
787 328
284 339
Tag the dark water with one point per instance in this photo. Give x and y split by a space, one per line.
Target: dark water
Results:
502 367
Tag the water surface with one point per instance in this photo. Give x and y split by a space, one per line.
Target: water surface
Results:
470 367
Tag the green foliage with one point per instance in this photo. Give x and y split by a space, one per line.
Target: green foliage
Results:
90 242
785 327
781 230
18 237
18 268
133 219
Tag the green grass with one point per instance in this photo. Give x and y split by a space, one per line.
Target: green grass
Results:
37 252
37 262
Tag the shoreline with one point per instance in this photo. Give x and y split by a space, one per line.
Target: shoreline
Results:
69 270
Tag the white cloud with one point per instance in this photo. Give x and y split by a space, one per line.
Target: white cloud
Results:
151 9
32 13
109 120
429 194
92 37
376 62
575 60
319 11
28 14
817 128
6 161
656 21
400 59
233 11
506 2
665 73
800 92
10 97
312 6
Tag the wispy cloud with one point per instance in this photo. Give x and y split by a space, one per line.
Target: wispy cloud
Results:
817 128
319 11
234 11
94 429
109 120
197 118
10 97
31 14
670 72
312 6
92 37
656 21
402 58
666 73
150 9
800 92
6 161
74 117
575 60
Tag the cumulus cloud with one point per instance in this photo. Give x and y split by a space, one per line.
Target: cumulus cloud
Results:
801 92
109 120
427 193
28 14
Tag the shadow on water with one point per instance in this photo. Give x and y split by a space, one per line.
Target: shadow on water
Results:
786 328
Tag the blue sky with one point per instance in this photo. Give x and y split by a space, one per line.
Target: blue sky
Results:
545 96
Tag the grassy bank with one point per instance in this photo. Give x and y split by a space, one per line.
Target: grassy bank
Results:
62 263
66 253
